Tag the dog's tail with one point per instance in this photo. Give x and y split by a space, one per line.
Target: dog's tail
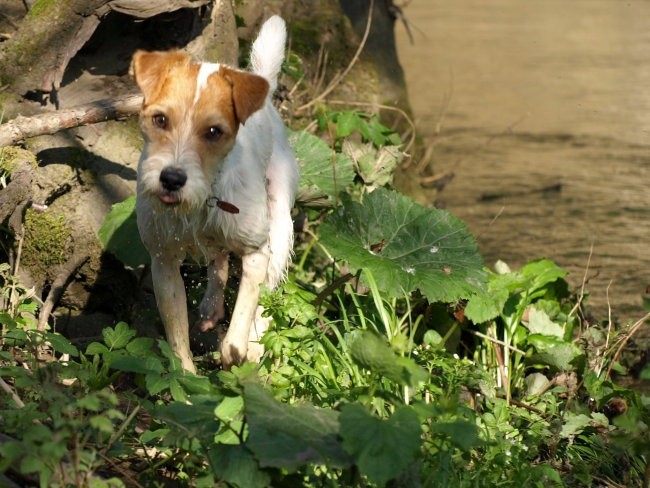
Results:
267 53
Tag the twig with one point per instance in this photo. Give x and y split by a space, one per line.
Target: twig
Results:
340 77
9 390
496 341
58 286
517 403
584 282
635 327
21 128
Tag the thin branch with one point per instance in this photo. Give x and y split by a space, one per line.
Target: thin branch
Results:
21 128
633 330
340 77
9 391
58 286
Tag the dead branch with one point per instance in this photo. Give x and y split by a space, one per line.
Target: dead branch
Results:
65 273
21 128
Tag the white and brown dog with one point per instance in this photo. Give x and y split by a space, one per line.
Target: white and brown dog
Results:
216 176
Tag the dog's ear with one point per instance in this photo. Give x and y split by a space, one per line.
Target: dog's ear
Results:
248 91
150 69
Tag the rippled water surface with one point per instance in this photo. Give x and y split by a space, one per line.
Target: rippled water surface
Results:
541 109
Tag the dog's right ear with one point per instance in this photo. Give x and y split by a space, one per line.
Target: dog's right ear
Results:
151 68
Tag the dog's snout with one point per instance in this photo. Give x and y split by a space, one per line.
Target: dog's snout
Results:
172 178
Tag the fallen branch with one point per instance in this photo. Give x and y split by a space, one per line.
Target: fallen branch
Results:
21 128
66 271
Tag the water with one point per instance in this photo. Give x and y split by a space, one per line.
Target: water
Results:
542 112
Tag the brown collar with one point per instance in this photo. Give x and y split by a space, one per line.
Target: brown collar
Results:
223 205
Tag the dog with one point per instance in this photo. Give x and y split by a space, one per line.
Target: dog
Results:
216 176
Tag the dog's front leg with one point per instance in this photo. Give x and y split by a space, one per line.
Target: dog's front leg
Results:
172 305
235 344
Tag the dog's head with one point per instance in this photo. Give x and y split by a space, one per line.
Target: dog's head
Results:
189 119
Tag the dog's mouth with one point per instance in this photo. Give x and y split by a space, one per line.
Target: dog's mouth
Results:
169 198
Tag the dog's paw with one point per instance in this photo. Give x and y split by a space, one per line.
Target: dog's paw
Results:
232 355
255 352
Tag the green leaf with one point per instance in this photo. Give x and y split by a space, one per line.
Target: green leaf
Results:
289 437
195 419
462 434
118 337
140 346
102 423
346 123
564 356
540 323
119 234
61 344
237 466
375 166
406 246
96 348
137 364
574 424
323 172
372 352
382 448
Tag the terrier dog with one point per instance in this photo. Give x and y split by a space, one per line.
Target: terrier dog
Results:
216 176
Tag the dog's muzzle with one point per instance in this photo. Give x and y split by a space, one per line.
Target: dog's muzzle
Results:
172 179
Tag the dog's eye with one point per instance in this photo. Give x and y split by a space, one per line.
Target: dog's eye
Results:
213 133
160 121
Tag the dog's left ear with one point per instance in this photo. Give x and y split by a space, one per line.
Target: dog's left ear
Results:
248 91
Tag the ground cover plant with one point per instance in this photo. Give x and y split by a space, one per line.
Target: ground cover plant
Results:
395 358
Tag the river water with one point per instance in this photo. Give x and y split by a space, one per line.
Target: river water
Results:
541 109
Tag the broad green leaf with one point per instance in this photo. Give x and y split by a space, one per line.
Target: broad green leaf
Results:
558 354
382 449
406 247
102 423
119 234
137 364
372 352
236 465
61 344
462 434
285 436
96 348
140 346
540 323
574 424
230 413
195 419
542 272
118 337
346 123
323 172
375 166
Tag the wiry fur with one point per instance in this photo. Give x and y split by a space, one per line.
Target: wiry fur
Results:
250 166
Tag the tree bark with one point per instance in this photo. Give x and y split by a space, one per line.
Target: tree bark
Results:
21 128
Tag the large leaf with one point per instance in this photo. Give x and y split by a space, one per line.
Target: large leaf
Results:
323 172
382 448
372 352
119 234
285 436
236 465
406 246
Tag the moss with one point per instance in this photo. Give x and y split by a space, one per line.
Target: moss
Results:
10 156
46 241
44 8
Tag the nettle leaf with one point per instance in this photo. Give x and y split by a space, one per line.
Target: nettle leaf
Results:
375 166
61 344
118 337
406 247
236 465
372 352
119 234
323 172
286 436
382 448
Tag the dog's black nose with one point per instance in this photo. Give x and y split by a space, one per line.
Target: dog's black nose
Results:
172 178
